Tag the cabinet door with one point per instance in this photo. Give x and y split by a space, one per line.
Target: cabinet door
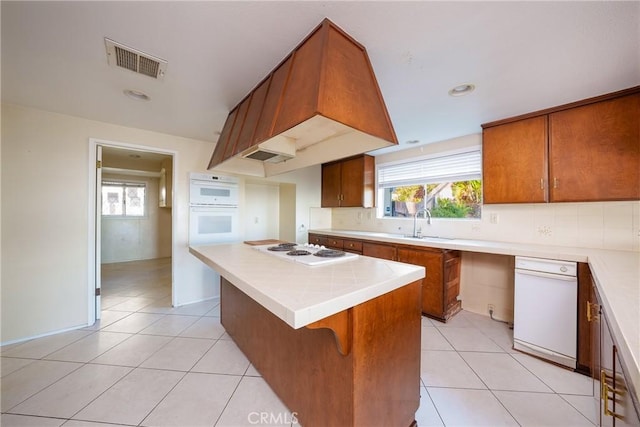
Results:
595 151
331 178
585 316
514 162
432 284
595 315
379 251
451 283
357 182
606 372
622 405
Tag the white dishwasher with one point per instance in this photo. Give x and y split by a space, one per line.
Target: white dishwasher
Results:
545 309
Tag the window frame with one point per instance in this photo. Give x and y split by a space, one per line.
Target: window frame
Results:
380 205
124 184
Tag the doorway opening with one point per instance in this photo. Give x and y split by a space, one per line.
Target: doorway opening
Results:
131 243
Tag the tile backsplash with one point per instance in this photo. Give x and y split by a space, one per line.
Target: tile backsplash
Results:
602 225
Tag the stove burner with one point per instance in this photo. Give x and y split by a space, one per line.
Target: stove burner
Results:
298 252
282 247
329 253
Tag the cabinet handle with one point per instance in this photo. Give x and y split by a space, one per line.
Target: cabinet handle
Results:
590 315
555 182
542 183
604 394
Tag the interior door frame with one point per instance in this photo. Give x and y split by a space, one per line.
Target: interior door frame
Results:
94 216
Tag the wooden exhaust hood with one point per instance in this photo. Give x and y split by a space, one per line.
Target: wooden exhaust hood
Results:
321 103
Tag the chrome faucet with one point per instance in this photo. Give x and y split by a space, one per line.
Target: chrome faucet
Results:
415 218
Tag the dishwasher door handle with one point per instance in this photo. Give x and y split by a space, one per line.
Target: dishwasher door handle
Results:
547 275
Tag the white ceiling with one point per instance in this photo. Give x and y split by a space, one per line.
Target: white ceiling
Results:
522 56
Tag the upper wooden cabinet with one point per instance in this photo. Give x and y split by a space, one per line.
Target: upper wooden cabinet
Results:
514 162
349 182
585 151
595 151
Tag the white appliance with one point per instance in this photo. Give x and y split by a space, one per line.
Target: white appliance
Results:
307 254
213 224
545 311
213 211
213 190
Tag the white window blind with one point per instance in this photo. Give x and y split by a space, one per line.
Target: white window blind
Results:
447 168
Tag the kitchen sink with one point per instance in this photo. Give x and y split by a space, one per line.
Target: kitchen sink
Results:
408 236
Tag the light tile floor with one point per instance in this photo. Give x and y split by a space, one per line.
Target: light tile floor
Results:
146 363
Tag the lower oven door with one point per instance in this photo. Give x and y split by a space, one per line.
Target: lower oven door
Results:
210 225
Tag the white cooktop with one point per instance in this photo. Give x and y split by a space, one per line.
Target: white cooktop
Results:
311 259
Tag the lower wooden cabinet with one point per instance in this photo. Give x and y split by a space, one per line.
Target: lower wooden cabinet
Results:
611 391
441 286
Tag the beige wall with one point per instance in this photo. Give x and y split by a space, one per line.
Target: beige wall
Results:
45 208
45 217
262 213
133 238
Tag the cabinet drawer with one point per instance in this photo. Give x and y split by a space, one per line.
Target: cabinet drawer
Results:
334 243
352 246
379 251
317 239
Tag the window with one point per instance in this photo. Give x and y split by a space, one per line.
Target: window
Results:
123 198
449 185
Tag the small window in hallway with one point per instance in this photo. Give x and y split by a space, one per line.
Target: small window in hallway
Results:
123 199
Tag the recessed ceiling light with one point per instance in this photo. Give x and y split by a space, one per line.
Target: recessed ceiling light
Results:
462 89
413 141
134 156
137 94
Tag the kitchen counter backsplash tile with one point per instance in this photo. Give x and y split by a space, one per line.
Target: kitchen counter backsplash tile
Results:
598 225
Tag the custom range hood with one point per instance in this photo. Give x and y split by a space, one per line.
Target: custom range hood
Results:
321 103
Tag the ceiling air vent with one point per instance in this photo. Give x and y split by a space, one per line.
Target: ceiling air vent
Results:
119 55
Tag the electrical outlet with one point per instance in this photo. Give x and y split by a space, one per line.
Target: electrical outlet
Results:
490 308
493 218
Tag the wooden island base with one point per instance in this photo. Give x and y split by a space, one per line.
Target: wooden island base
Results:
358 367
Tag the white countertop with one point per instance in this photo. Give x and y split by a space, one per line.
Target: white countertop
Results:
300 294
616 275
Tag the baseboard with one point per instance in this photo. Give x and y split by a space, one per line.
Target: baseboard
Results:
19 340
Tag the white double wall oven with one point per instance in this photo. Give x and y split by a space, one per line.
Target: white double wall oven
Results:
214 214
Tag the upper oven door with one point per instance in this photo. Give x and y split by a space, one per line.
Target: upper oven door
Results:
206 193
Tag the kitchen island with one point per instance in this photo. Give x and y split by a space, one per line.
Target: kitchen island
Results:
338 343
